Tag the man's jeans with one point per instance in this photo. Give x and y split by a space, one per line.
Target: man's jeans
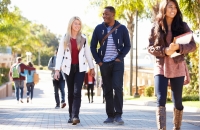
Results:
59 84
19 85
30 87
161 84
74 83
112 76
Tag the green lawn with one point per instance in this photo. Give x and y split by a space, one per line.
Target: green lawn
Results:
189 103
140 98
185 103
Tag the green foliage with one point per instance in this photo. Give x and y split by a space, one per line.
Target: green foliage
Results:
190 9
192 60
190 98
4 77
24 36
148 91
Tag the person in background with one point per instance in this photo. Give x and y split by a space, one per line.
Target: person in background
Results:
19 80
169 24
110 58
72 58
58 84
29 81
89 81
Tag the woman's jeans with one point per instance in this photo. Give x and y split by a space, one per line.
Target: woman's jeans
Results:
19 85
161 84
30 87
74 83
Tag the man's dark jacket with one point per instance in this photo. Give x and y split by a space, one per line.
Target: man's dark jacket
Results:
120 37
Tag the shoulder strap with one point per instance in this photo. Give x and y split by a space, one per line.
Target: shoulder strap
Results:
104 38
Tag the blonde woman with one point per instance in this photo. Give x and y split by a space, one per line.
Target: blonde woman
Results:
73 54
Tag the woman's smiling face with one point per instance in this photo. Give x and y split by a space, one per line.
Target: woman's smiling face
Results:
171 10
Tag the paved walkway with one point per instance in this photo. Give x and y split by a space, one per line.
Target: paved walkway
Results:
42 115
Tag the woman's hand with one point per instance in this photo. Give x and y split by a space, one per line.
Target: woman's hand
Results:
174 46
57 74
168 51
92 72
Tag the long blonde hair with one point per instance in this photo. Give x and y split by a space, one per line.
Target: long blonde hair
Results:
69 33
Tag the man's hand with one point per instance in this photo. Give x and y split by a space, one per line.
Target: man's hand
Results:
100 63
57 74
118 60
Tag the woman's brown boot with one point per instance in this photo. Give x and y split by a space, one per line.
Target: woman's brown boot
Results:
161 118
177 119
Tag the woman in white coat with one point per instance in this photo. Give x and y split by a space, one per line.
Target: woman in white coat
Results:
73 54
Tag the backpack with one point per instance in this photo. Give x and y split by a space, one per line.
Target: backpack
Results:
52 59
36 78
16 71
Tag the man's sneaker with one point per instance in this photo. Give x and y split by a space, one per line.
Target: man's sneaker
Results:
70 120
21 101
109 120
75 121
27 99
63 105
57 107
118 120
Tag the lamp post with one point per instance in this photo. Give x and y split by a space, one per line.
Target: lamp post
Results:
28 56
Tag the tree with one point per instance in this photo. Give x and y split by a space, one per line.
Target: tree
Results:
190 10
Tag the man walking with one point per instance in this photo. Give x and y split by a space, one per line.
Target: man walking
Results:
18 79
114 45
58 84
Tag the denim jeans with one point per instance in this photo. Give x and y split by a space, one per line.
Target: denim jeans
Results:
161 84
74 83
30 87
19 85
112 76
59 84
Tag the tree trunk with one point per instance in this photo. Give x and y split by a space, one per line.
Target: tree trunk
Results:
130 26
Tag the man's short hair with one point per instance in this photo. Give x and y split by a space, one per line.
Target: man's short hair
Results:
18 59
112 9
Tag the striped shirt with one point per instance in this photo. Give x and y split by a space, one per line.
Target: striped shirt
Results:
111 50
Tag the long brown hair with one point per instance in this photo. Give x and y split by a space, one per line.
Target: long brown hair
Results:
161 29
31 65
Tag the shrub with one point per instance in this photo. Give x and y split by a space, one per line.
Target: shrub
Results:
190 98
149 91
41 67
4 75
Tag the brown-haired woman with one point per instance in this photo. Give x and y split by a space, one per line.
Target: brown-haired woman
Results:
169 24
29 81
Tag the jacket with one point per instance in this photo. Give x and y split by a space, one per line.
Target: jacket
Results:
120 37
22 68
63 60
29 77
159 51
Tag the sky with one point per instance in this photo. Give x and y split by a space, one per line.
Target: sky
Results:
55 14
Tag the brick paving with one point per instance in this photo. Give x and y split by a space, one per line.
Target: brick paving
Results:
40 114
